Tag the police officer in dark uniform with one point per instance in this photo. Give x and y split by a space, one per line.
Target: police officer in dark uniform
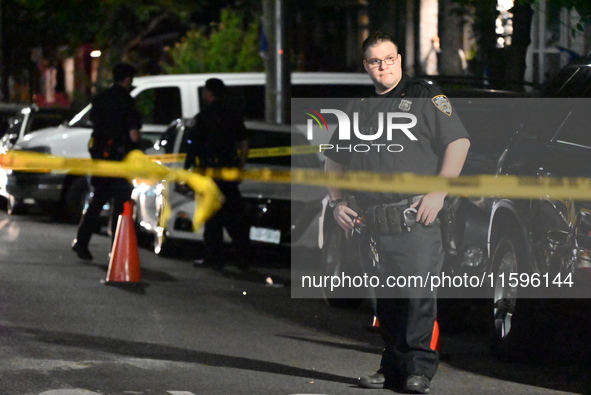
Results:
116 131
218 139
393 246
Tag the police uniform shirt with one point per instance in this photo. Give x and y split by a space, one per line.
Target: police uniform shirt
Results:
437 126
214 137
113 115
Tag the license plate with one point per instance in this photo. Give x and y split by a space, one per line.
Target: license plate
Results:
265 235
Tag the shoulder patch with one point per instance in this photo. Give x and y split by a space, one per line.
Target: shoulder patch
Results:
442 103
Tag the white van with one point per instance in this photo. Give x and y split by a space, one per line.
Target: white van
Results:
160 99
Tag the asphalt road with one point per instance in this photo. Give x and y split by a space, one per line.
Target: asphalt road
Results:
191 330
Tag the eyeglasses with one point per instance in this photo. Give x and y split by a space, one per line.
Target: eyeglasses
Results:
378 62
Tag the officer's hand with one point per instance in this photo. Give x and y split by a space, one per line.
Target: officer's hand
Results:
344 216
429 206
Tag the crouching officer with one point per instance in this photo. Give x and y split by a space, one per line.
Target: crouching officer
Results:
116 131
403 236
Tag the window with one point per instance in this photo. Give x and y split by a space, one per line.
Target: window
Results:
159 106
42 120
248 100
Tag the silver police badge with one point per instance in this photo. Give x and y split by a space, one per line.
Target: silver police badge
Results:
442 103
405 105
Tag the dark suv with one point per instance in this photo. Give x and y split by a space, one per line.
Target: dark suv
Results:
545 238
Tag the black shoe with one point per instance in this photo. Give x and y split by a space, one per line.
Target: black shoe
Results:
376 380
417 384
82 252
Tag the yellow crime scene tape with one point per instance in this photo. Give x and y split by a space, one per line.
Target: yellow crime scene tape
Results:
135 165
138 165
468 186
252 153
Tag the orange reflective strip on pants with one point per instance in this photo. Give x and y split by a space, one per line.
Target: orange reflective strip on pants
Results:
435 337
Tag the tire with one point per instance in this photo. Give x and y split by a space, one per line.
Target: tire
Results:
15 206
517 332
75 199
339 255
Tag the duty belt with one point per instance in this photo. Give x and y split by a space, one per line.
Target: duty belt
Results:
389 218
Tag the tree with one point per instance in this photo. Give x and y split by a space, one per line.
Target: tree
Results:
231 45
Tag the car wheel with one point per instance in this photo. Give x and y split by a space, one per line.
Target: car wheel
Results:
75 199
517 331
339 256
15 206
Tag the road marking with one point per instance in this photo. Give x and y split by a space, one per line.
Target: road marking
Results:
180 393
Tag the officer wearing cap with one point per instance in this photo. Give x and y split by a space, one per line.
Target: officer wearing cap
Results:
218 139
116 131
399 244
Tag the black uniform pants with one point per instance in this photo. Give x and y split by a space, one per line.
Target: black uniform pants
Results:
232 217
118 190
407 314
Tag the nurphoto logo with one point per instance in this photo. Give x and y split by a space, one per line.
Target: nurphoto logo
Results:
389 122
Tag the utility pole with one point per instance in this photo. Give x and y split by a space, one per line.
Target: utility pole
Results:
277 92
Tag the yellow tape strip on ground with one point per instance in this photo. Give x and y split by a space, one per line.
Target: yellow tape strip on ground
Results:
135 165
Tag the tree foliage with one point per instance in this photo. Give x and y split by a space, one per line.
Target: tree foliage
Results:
230 46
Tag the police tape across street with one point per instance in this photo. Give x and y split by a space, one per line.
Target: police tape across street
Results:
139 165
135 165
468 186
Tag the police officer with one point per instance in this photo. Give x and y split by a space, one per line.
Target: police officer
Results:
116 131
218 139
436 145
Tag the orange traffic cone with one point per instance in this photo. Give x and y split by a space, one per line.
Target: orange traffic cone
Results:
124 265
435 337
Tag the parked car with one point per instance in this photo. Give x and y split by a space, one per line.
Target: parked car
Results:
546 237
29 119
279 214
26 119
161 99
